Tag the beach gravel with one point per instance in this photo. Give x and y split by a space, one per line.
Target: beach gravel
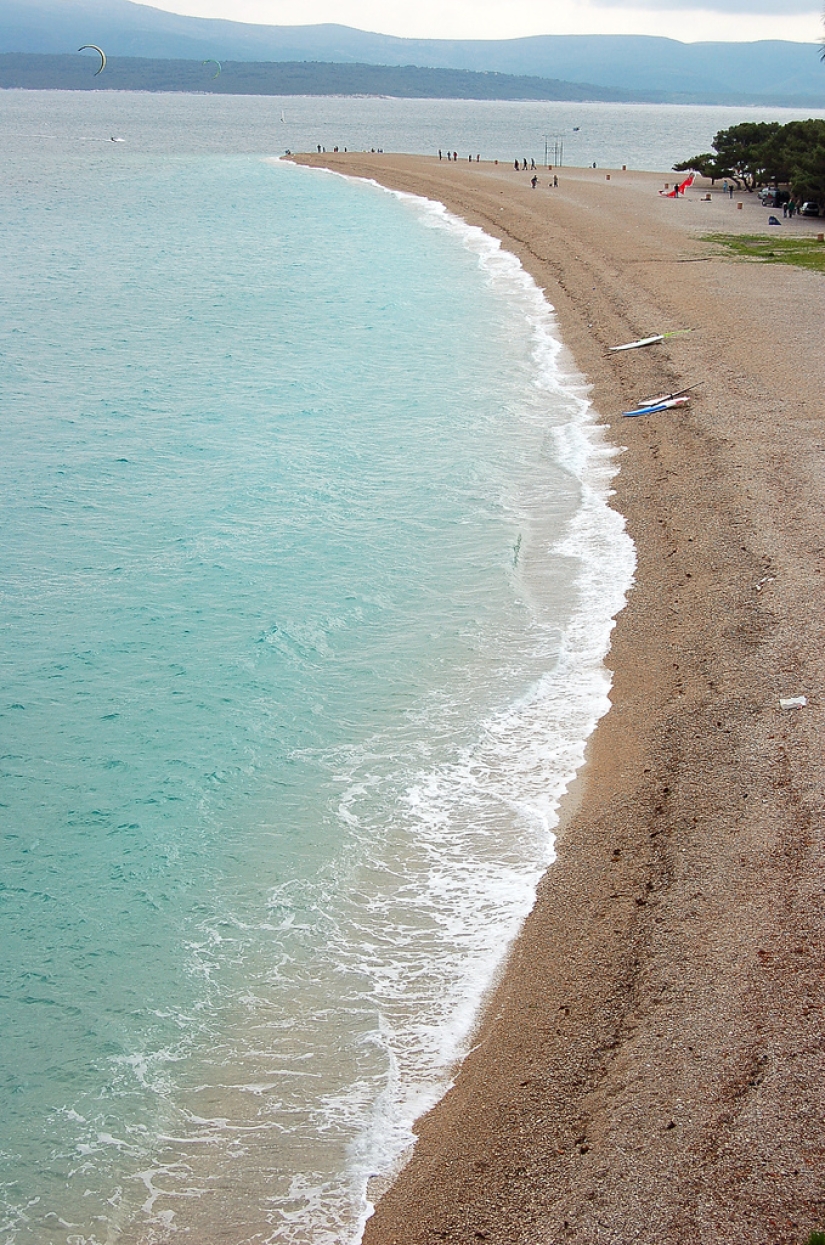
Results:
651 1067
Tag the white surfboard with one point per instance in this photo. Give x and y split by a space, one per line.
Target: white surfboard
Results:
650 341
643 341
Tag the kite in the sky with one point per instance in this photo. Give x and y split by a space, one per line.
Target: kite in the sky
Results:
211 61
94 48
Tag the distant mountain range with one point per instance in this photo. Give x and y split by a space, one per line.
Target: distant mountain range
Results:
616 66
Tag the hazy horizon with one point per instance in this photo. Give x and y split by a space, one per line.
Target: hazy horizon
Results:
716 20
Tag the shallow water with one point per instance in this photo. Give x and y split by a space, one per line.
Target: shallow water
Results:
307 580
642 136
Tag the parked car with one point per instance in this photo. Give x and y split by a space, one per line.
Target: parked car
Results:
772 196
809 209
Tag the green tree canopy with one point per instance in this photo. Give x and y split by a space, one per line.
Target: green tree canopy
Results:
707 165
758 153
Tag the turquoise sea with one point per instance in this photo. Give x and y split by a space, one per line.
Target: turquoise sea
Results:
307 577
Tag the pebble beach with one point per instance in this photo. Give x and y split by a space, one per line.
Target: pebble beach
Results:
651 1067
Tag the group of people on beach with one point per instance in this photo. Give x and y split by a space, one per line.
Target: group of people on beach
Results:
453 155
534 180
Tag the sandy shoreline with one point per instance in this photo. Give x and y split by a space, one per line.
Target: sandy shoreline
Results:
652 1067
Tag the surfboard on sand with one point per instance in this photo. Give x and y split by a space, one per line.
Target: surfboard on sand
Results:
643 341
667 405
665 397
649 341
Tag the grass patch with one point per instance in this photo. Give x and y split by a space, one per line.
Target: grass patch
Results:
801 252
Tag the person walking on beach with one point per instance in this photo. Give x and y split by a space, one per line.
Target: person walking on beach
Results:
534 181
730 190
515 165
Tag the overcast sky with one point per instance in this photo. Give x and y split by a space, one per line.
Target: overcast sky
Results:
799 20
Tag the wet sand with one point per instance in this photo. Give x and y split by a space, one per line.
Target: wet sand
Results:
652 1066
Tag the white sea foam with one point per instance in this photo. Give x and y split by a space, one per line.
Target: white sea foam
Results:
470 839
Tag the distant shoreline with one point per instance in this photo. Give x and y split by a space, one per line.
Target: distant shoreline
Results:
43 71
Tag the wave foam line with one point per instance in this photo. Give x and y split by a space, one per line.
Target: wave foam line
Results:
527 755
